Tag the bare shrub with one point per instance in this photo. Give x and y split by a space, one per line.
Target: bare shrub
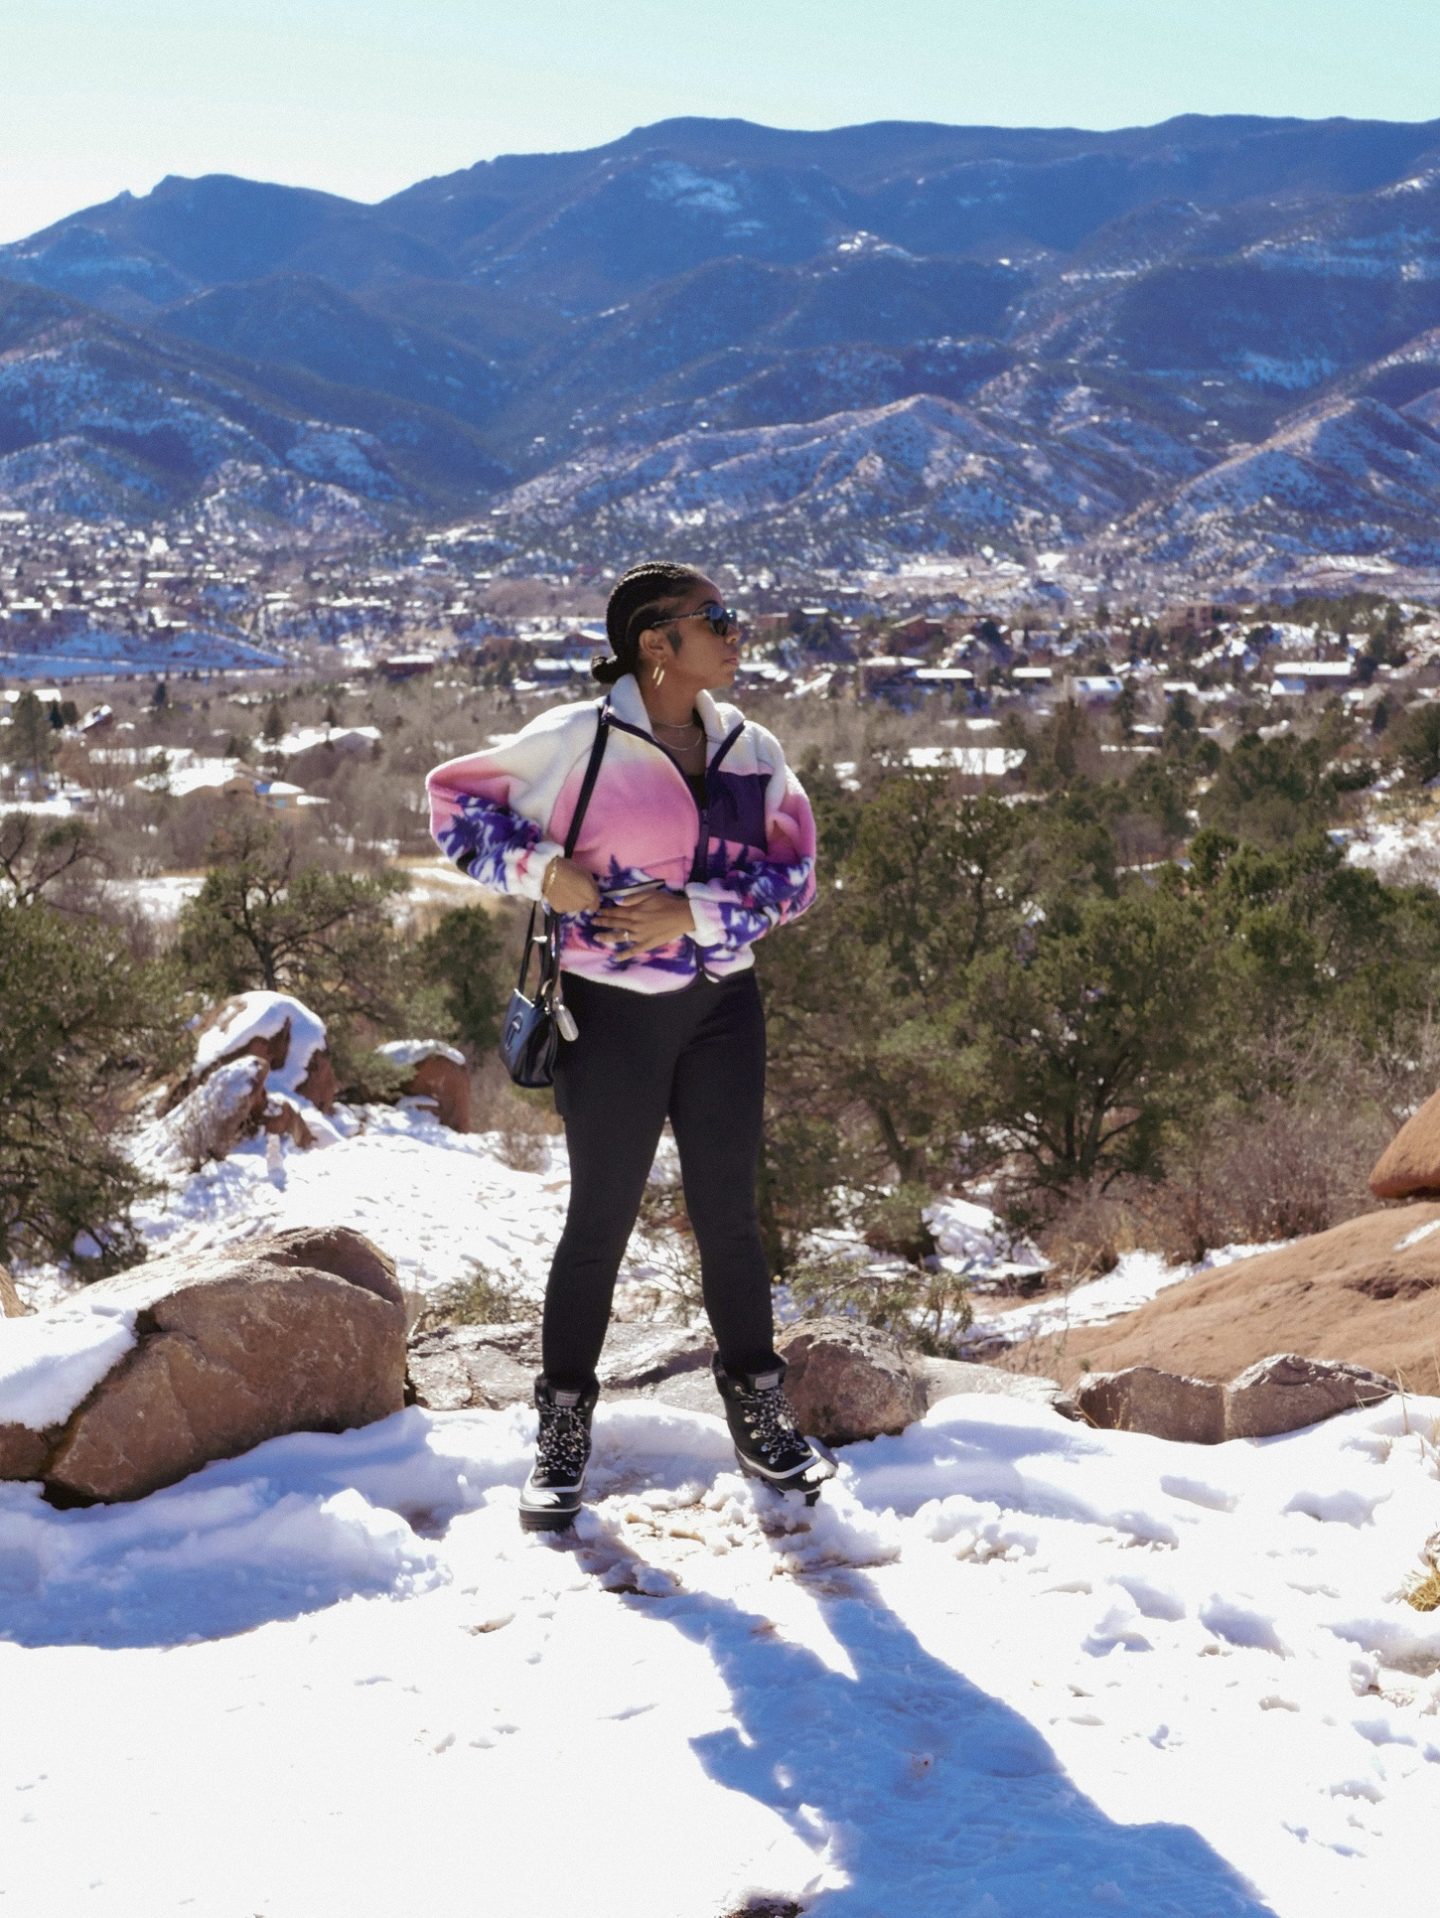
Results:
1091 1231
1282 1171
523 1122
925 1311
1407 1073
483 1297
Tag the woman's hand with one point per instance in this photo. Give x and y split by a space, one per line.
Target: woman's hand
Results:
649 920
568 887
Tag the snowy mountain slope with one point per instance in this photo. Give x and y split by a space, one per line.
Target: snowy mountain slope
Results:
1351 477
919 472
1141 306
304 321
97 418
135 253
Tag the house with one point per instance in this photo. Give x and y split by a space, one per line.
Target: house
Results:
1296 677
406 665
975 769
1096 689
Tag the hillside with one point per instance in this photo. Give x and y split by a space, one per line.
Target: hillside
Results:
1364 1291
1139 350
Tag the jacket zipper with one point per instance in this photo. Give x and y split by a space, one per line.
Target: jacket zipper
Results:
697 864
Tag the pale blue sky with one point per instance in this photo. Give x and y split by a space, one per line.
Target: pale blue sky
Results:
363 97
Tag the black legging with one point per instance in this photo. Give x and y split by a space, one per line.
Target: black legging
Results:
697 1057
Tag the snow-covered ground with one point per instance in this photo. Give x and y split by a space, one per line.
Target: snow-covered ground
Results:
1008 1667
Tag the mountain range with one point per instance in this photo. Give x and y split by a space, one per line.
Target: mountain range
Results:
1208 349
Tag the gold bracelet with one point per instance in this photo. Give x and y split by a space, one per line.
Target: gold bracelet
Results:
547 876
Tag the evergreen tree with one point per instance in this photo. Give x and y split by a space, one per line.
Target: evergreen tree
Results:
83 1024
33 739
266 920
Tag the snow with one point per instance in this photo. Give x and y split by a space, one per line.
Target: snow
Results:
264 1015
48 1365
1135 1279
409 1052
1008 1666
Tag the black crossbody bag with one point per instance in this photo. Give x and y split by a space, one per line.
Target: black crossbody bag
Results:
530 1036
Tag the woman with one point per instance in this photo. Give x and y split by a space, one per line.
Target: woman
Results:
696 840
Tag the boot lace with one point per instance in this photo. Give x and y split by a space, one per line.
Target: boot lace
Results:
771 1421
564 1439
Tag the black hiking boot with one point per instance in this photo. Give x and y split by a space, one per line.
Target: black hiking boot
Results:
550 1497
769 1445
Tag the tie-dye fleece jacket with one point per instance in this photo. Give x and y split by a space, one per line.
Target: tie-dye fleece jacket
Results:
745 861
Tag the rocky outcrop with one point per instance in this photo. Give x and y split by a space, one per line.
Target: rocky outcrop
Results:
945 1378
436 1073
302 1331
283 1119
1409 1167
272 1027
1281 1393
461 1367
845 1380
1363 1293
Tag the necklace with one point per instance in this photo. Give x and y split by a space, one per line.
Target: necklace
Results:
692 726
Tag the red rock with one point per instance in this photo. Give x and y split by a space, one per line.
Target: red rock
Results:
1409 1167
448 1084
302 1331
1145 1398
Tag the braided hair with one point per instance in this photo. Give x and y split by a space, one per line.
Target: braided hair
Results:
636 600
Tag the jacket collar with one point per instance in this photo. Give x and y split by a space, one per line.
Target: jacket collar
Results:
627 705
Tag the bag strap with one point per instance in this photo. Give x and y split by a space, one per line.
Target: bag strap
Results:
549 938
592 772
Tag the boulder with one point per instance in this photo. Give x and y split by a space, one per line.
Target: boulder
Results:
12 1306
1409 1167
1143 1398
1285 1392
227 1107
1278 1394
439 1078
848 1381
436 1072
300 1331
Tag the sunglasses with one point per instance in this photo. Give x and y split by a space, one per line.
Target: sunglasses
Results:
721 621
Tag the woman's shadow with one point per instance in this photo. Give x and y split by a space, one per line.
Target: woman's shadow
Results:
927 1796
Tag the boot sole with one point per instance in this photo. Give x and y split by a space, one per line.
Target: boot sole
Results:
801 1482
547 1521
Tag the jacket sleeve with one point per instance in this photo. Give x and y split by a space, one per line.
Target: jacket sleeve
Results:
735 908
489 810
